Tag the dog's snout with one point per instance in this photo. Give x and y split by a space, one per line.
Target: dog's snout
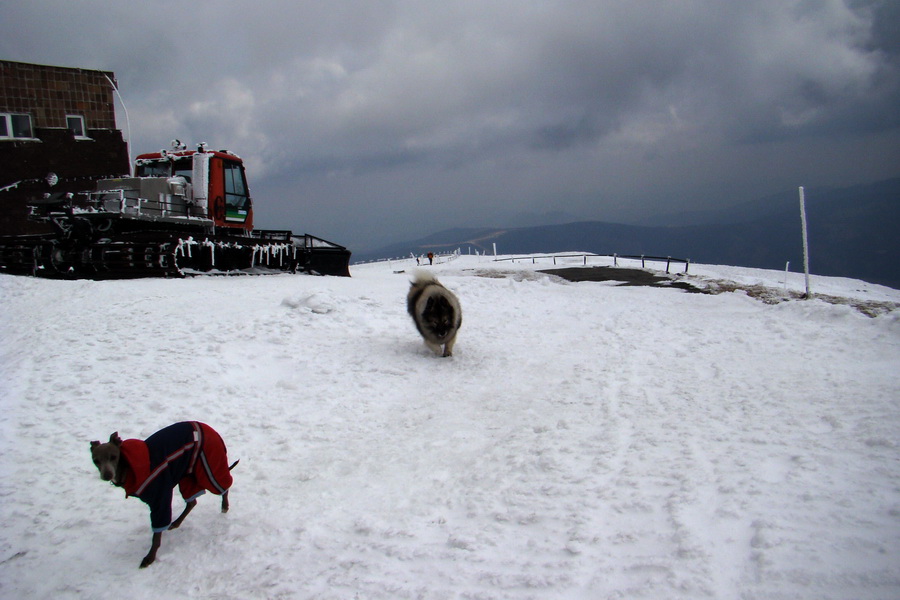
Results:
106 475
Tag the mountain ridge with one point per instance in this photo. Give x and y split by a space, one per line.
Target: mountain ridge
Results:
852 233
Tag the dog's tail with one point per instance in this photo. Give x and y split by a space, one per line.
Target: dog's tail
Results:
234 464
422 277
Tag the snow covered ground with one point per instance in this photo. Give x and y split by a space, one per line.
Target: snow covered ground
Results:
585 441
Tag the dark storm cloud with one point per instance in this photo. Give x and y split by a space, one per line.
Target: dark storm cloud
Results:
604 109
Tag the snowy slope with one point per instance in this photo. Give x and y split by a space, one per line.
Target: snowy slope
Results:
585 441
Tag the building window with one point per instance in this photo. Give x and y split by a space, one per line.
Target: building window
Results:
75 124
15 126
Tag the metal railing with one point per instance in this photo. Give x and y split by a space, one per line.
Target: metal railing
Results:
585 255
445 257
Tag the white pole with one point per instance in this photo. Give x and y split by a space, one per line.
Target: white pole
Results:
127 123
787 266
805 244
495 248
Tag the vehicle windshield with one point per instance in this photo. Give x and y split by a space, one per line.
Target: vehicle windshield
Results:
183 167
156 168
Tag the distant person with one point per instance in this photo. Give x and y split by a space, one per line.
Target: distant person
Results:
431 258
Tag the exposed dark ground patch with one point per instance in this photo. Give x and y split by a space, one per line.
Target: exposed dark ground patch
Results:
768 295
627 277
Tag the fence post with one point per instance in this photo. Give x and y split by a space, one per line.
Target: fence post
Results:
642 261
687 264
615 259
668 261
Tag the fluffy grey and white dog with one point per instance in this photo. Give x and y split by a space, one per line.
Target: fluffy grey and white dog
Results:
435 311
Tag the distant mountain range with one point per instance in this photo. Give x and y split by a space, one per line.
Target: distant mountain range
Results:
853 232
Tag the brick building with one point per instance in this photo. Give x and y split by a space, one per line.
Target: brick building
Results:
57 120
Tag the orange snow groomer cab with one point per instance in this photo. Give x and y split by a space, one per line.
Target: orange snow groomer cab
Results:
218 185
229 197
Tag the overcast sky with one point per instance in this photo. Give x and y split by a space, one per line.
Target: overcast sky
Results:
375 120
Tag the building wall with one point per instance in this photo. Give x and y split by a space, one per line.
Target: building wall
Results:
50 93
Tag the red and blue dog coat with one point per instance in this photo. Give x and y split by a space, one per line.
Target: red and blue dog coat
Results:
190 455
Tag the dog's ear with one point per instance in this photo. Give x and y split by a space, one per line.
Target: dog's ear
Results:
115 439
94 444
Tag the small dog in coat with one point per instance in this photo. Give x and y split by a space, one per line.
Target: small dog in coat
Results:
190 455
436 312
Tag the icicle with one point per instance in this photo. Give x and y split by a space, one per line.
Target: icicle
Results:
212 252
